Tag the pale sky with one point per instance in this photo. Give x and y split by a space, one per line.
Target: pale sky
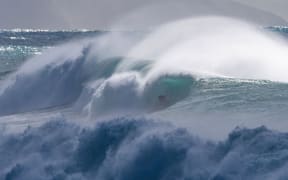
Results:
132 14
278 7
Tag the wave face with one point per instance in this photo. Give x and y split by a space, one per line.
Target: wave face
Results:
194 99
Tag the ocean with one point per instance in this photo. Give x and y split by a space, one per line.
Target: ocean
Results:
198 99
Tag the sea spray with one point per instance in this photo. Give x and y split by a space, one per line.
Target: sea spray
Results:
166 104
213 46
208 46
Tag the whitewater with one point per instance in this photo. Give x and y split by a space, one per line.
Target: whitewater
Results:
200 98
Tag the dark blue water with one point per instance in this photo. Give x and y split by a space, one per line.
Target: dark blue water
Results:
70 112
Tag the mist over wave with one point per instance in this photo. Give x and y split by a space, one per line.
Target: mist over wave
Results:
151 100
206 46
215 46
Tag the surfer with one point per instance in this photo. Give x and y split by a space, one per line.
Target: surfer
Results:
162 100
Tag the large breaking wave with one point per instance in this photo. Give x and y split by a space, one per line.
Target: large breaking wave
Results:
127 83
144 66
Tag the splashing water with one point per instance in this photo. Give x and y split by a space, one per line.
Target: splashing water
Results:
99 107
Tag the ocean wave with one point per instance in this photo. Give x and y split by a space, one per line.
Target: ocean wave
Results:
42 88
138 106
88 77
141 72
127 148
130 94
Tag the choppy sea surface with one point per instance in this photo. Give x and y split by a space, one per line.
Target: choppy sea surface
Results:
208 101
